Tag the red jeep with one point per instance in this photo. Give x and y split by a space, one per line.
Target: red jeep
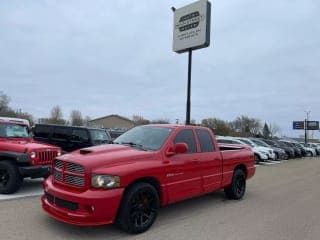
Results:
20 156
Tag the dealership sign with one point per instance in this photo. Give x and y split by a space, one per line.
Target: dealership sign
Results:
191 28
313 125
298 125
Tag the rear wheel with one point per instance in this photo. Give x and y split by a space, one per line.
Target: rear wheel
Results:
309 154
139 208
237 188
10 179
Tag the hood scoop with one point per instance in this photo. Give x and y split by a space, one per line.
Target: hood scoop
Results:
85 151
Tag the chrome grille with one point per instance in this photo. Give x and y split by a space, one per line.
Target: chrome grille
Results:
58 175
71 167
58 164
68 173
74 180
47 156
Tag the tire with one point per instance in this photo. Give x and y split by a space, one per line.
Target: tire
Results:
237 188
139 208
10 179
277 158
257 159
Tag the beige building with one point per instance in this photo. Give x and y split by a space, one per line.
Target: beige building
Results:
112 121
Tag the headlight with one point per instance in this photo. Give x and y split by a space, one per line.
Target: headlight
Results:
33 154
59 153
105 181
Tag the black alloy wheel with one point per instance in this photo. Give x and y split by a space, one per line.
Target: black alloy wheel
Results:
4 177
139 208
237 188
240 185
10 179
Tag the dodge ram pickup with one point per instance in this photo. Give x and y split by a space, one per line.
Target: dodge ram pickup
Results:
146 168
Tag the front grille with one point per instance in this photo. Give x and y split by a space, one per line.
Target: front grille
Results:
71 167
74 180
61 202
69 173
47 156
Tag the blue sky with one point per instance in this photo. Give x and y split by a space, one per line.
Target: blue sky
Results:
115 57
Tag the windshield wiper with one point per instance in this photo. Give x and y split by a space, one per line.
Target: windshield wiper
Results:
132 144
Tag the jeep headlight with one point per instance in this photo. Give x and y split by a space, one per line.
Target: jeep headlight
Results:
33 154
59 153
105 181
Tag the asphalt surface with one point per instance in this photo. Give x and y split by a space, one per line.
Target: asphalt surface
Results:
282 203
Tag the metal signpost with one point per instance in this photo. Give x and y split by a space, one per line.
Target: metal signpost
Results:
306 125
191 31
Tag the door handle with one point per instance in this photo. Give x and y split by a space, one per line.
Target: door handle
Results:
195 161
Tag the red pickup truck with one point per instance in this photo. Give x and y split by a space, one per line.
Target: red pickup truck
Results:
146 167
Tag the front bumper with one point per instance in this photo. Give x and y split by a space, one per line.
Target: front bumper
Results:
89 208
35 171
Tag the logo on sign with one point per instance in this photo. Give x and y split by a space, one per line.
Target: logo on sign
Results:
189 21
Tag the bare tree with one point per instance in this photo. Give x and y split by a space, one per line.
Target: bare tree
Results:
139 120
86 121
218 126
274 129
245 126
4 102
161 121
56 116
76 118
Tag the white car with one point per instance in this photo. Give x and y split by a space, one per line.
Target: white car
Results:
259 155
268 151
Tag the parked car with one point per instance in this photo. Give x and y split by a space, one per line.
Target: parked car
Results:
70 138
259 154
20 156
266 150
297 150
115 133
289 150
279 152
146 167
313 146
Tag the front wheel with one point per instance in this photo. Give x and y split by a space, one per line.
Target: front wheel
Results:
139 208
257 159
10 179
237 188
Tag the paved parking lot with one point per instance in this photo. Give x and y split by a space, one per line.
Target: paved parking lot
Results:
282 203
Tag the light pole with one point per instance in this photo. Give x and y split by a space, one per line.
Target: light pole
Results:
306 127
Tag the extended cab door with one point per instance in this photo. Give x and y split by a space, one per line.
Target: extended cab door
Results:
183 171
210 161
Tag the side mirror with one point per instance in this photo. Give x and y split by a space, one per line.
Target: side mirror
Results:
177 148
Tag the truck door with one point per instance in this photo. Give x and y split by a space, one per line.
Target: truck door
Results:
210 161
183 173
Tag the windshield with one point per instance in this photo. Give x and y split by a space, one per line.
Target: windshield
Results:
99 136
259 143
145 137
271 143
247 142
14 130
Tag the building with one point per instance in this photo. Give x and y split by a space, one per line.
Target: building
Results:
112 122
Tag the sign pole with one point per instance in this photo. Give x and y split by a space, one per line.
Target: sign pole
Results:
189 88
305 131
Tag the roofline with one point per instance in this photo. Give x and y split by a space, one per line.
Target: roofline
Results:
113 115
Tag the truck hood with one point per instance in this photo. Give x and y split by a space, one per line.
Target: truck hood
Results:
106 155
24 145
